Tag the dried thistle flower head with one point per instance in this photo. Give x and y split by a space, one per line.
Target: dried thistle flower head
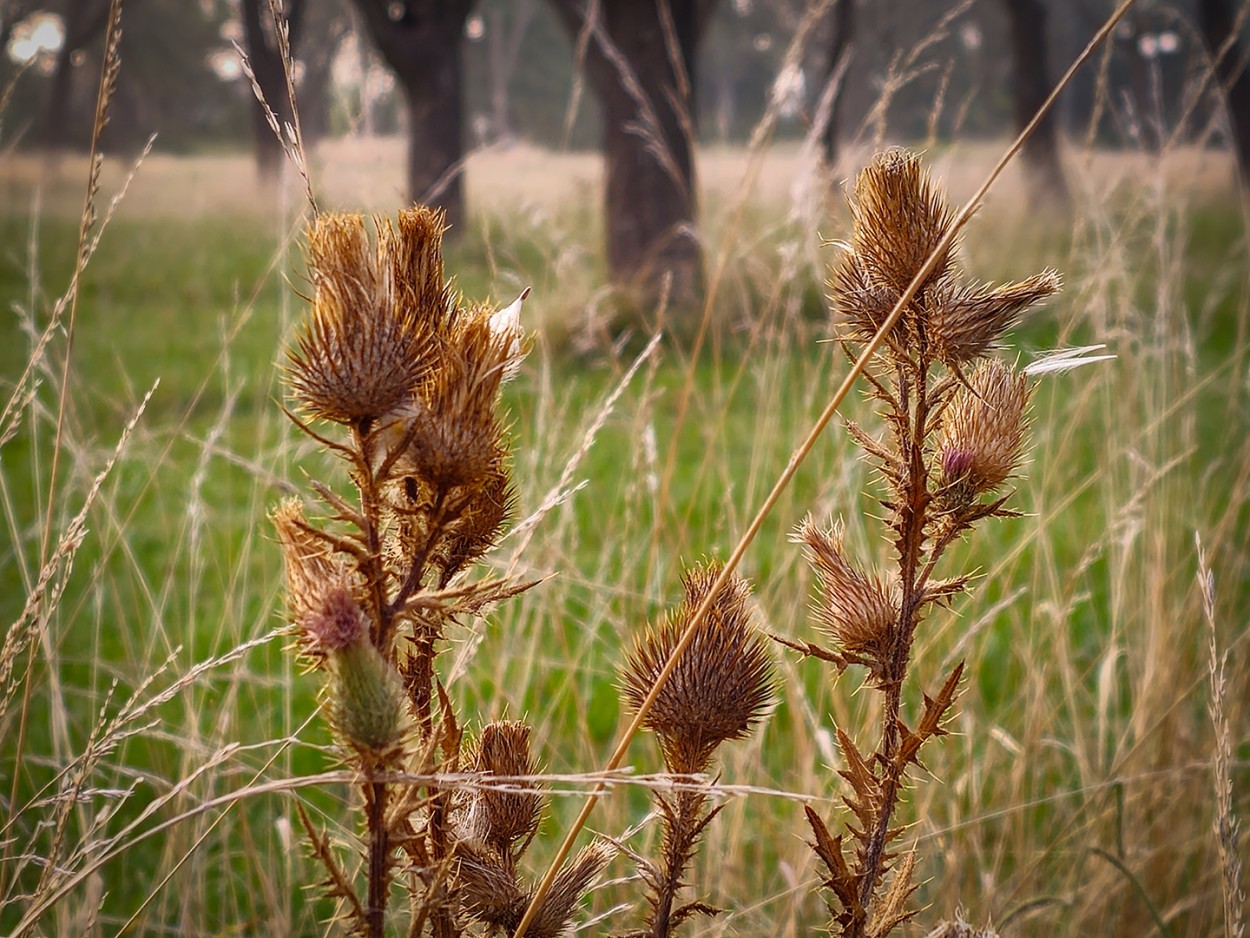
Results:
369 338
967 322
571 883
308 561
983 432
455 436
858 610
721 685
900 217
497 817
492 894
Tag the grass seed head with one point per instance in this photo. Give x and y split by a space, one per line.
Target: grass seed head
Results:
722 683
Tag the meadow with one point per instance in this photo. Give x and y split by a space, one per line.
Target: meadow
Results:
157 720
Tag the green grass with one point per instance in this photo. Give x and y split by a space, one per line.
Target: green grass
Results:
1082 724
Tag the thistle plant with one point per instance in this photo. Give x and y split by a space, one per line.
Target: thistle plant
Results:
408 377
719 690
955 421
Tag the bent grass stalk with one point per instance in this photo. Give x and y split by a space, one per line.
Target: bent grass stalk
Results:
801 452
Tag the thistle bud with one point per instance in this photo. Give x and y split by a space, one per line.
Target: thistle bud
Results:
367 698
858 610
983 432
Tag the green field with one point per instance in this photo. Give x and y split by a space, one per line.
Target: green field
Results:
1083 732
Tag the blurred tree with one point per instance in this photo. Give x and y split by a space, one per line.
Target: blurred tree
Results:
839 28
1031 85
326 26
1220 23
505 28
420 40
265 56
83 22
639 58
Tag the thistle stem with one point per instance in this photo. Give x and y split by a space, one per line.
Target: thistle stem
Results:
914 517
379 859
681 830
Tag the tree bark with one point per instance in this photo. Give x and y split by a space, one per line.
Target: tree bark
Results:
1218 21
640 62
84 21
420 41
1031 85
325 26
842 28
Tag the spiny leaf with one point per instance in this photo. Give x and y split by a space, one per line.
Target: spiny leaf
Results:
337 884
930 723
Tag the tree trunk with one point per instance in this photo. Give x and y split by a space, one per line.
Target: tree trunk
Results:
325 26
1218 21
420 41
1031 85
640 62
84 21
842 28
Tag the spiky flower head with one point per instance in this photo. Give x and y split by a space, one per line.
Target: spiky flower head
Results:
455 436
502 817
899 218
491 893
722 683
966 322
369 338
319 597
858 610
983 432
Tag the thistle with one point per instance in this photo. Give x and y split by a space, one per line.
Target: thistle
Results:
955 423
409 378
719 691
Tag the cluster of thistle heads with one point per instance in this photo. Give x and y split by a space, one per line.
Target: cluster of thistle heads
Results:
412 377
955 421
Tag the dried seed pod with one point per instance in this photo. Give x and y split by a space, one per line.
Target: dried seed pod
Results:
721 685
965 324
497 817
983 432
366 343
900 216
858 610
455 437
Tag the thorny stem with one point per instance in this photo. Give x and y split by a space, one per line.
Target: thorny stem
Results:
682 830
379 859
911 421
369 512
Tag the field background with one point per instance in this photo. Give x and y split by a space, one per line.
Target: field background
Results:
1077 795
